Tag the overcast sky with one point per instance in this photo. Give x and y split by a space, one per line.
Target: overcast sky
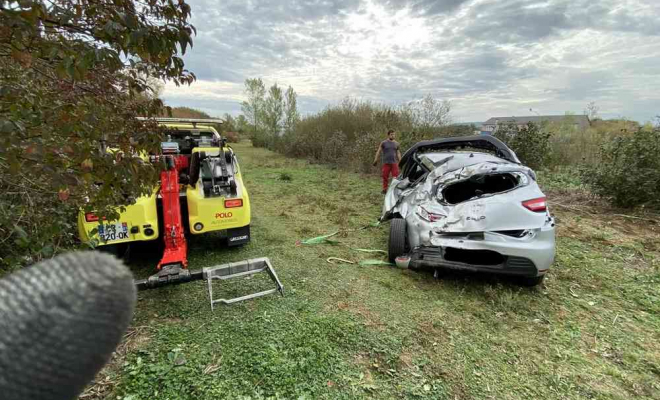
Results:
489 57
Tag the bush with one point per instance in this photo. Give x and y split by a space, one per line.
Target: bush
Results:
232 137
530 143
572 146
347 135
629 172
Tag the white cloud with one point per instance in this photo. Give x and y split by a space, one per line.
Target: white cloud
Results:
490 57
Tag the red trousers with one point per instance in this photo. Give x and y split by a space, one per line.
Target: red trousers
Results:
387 169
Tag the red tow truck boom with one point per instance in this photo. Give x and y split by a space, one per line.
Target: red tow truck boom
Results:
176 248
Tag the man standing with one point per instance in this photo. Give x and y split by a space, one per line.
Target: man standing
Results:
391 157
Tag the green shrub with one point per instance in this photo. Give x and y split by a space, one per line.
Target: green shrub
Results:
347 134
530 143
572 146
629 172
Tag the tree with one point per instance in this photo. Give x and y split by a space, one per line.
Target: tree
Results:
241 124
253 107
274 110
74 75
428 113
591 110
291 115
530 142
230 124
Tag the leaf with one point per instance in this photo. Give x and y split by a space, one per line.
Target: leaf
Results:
47 251
179 359
63 194
20 232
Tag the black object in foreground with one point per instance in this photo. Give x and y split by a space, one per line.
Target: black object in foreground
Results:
60 321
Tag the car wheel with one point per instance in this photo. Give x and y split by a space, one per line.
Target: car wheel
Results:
532 281
397 243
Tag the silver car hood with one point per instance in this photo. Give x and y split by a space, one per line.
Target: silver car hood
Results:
491 212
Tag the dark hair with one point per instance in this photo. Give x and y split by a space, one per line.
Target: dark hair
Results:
390 131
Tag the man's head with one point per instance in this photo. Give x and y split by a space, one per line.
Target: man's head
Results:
391 134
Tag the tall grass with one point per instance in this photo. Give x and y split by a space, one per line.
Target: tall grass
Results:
347 135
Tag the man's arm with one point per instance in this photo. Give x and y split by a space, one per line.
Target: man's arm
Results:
398 153
377 154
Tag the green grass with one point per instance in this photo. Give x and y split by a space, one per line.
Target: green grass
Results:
346 331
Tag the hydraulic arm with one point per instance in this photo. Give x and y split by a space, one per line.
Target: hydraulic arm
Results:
175 254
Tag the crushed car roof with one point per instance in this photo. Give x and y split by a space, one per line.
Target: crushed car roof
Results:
482 142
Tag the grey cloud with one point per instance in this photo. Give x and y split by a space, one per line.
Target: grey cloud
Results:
426 7
585 85
512 22
526 21
608 17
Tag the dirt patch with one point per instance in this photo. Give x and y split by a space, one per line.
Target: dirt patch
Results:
405 361
632 237
135 338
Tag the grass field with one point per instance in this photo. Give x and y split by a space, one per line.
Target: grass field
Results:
346 331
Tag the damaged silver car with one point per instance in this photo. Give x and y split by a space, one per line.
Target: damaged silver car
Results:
468 203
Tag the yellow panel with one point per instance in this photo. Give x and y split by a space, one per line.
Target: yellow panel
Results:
211 212
143 212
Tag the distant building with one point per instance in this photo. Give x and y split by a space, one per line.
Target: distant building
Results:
580 122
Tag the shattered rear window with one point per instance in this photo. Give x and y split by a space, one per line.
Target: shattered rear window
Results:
481 185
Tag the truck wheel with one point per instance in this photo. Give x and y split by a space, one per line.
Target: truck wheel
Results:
397 242
238 236
193 172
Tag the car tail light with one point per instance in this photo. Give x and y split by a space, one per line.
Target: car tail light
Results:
536 205
233 203
91 217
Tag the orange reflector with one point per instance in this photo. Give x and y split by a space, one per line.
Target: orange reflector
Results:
91 217
233 203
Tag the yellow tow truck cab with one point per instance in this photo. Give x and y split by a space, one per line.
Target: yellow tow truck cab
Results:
211 192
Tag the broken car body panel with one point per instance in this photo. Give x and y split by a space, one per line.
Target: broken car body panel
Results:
454 200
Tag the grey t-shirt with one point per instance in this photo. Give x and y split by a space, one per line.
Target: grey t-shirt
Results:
389 148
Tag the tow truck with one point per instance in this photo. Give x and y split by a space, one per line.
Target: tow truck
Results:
200 191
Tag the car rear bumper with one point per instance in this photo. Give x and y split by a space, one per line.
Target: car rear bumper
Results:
529 256
141 220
